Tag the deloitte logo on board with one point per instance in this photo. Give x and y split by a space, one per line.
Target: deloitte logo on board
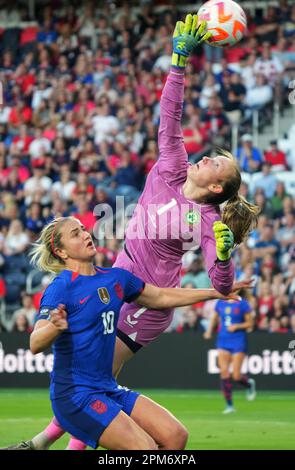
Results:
23 361
266 363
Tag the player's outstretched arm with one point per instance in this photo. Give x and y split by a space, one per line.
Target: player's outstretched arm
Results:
213 321
173 157
162 298
246 325
46 331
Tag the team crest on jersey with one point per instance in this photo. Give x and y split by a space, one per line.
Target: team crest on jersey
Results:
192 217
99 406
104 295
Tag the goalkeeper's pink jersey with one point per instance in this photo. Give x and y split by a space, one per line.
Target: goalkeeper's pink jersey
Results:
165 224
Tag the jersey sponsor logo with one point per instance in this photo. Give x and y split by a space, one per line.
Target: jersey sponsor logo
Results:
192 217
99 407
104 295
119 290
82 301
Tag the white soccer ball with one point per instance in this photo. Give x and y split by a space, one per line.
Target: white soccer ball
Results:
226 20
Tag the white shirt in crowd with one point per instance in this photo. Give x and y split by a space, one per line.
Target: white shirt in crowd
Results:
34 185
64 190
14 243
104 128
39 147
269 68
259 95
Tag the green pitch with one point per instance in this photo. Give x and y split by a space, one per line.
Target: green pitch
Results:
266 423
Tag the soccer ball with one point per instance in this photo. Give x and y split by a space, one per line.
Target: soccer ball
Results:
226 20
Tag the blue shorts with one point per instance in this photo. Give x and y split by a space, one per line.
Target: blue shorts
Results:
232 345
86 415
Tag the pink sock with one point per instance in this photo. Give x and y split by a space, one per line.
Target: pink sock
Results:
54 431
74 444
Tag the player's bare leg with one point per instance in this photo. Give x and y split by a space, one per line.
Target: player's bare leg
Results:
124 434
122 354
243 380
224 361
160 424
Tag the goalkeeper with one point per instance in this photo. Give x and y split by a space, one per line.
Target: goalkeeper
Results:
177 211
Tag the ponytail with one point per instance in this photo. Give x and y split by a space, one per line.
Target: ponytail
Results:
43 253
240 216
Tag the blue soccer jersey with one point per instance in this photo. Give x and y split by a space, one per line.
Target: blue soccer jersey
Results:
83 354
231 312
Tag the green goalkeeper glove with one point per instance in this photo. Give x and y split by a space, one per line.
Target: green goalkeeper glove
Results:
186 37
224 240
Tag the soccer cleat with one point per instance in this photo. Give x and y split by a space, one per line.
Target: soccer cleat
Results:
251 391
23 445
229 409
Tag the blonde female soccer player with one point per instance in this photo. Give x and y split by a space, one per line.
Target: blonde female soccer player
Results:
78 317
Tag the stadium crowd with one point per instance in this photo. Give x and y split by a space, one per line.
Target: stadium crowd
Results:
79 124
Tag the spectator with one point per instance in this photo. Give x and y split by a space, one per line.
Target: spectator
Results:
278 198
39 146
249 157
20 114
83 214
260 94
195 135
126 178
34 221
263 203
266 245
269 66
275 157
265 305
21 324
275 326
17 240
38 187
286 234
209 90
27 310
196 275
267 181
65 187
215 121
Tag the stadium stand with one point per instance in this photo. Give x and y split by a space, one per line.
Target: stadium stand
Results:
78 127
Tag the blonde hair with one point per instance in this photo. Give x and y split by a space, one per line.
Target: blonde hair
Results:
43 253
238 214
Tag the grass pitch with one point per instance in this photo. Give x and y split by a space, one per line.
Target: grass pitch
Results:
266 423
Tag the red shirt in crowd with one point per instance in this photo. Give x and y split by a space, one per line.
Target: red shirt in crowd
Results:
275 158
16 117
87 219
